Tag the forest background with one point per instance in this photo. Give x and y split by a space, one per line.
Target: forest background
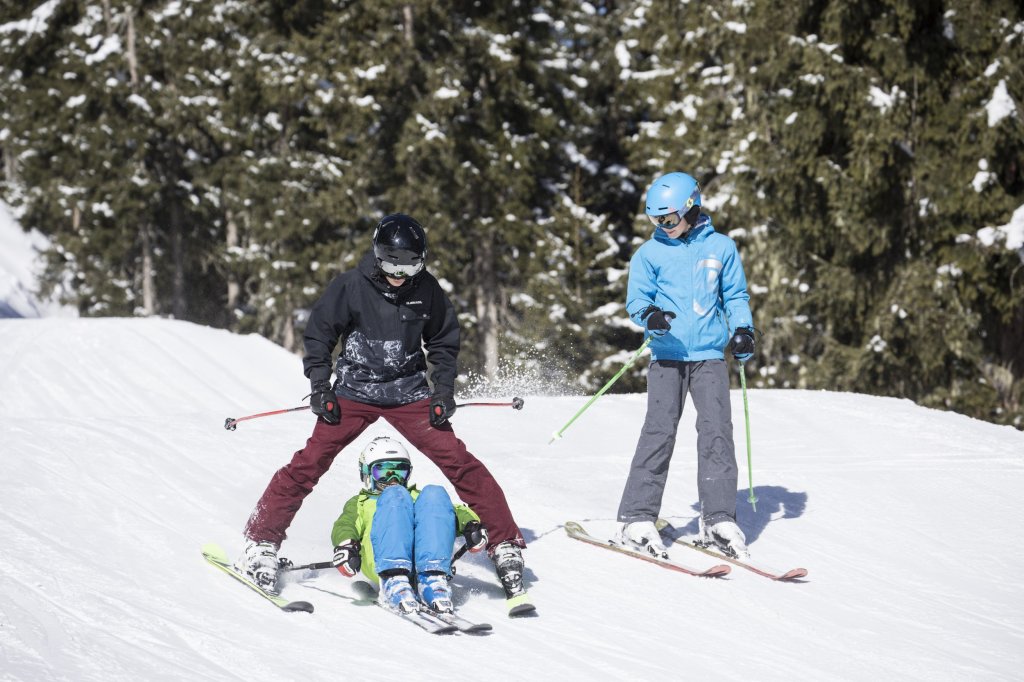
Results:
221 161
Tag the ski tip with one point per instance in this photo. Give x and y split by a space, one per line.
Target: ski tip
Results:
522 610
298 606
793 575
718 571
520 606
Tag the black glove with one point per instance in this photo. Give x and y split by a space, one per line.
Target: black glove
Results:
347 558
476 536
441 408
324 402
742 344
657 319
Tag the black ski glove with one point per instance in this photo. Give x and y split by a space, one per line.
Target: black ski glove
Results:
475 535
742 344
347 558
657 319
324 402
442 407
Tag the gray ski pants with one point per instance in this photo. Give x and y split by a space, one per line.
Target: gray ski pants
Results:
667 385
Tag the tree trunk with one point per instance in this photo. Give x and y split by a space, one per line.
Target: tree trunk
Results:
486 297
234 288
148 290
407 17
179 306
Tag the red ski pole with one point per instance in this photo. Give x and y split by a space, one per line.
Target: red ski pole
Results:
231 424
516 404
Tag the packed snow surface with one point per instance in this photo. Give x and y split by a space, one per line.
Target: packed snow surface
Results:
117 468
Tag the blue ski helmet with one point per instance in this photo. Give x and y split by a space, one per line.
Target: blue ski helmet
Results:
671 198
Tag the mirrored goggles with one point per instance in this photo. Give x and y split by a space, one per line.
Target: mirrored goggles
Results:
382 471
667 221
400 271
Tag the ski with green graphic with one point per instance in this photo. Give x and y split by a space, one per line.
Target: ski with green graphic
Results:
216 556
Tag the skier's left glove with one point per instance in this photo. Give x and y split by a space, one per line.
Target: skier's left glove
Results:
347 558
442 406
475 535
742 344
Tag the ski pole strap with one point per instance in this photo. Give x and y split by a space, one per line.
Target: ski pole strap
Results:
746 421
558 434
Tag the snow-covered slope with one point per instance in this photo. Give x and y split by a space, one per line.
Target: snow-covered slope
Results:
117 468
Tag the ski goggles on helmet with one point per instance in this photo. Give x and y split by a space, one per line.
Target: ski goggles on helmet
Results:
667 221
386 470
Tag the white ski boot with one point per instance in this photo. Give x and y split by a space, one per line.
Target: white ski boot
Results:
643 536
727 537
259 564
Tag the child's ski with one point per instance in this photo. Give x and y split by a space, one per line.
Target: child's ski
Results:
432 621
793 574
461 623
425 620
577 532
216 556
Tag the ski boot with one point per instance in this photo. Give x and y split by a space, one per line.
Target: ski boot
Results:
644 537
259 564
435 591
396 593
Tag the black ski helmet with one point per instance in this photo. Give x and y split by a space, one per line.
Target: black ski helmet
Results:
400 245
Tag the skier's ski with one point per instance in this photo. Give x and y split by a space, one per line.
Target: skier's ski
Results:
792 575
576 531
217 557
426 620
461 623
520 605
423 618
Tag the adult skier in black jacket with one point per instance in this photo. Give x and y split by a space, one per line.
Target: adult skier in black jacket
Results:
386 312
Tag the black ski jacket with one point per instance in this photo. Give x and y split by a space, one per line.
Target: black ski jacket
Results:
384 331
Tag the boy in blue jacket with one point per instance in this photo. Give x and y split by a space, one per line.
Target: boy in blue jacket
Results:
392 531
687 288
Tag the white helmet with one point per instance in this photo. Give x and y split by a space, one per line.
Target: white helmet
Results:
383 462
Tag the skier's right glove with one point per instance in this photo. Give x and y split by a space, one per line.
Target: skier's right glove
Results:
324 402
475 535
657 320
347 558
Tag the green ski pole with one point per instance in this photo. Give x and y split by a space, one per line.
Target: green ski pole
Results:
746 420
558 434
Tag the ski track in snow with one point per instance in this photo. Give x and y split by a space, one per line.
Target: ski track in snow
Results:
117 468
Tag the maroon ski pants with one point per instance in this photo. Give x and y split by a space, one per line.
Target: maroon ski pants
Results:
473 482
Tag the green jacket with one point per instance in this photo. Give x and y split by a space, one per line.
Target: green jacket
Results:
357 518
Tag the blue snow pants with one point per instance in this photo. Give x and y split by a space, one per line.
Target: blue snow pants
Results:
413 536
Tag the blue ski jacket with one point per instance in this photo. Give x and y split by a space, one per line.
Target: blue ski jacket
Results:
699 277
